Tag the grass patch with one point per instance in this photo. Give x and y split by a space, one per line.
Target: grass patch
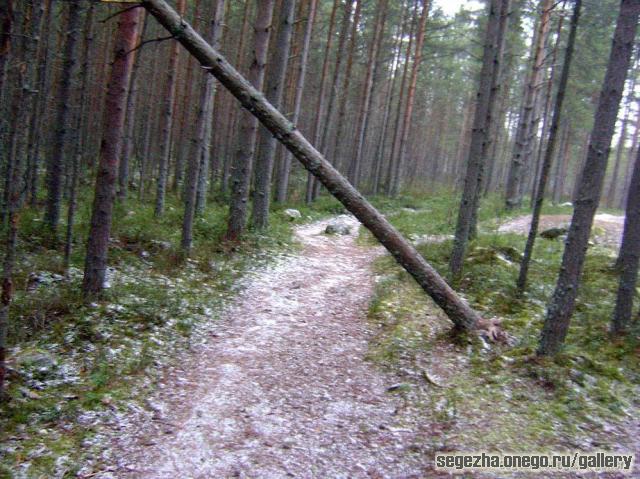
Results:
73 362
501 396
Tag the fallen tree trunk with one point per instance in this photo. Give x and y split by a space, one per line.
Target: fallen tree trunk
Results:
463 316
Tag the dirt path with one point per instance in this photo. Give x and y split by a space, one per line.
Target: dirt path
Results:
283 389
607 228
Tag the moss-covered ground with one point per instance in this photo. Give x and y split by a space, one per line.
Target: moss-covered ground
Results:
74 360
500 397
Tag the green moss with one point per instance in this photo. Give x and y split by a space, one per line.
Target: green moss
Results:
504 396
157 300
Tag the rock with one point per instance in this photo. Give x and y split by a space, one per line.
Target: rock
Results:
29 394
553 233
38 365
160 245
339 226
292 214
42 278
400 387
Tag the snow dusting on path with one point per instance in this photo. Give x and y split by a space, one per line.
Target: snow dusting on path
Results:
607 228
282 389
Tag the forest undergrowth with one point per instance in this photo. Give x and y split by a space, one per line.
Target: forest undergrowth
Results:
500 397
77 362
73 361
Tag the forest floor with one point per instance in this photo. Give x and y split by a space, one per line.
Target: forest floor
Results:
283 389
607 228
321 359
300 381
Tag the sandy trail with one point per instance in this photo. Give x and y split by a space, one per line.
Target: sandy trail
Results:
607 228
283 389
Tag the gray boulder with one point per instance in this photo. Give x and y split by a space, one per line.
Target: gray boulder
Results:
339 226
292 214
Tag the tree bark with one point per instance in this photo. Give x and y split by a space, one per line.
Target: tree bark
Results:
550 150
629 256
130 119
610 196
562 303
546 116
630 156
201 142
562 162
322 126
243 164
252 100
211 91
367 93
167 124
110 148
63 117
397 129
233 114
6 294
283 178
346 86
386 117
408 109
485 102
527 122
273 91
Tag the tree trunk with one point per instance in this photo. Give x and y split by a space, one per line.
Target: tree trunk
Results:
561 165
526 125
63 117
6 295
546 116
549 152
273 91
243 164
110 148
367 93
483 115
630 155
6 28
283 177
408 109
610 196
233 114
396 132
562 303
251 99
130 119
41 14
390 91
211 92
201 142
322 127
346 86
167 123
629 256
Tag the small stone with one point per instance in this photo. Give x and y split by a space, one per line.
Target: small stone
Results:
339 226
292 214
553 233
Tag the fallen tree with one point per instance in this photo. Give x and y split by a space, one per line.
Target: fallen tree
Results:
460 313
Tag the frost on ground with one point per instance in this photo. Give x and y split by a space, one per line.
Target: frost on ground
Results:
607 229
283 388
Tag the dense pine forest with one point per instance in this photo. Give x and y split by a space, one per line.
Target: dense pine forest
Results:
319 238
